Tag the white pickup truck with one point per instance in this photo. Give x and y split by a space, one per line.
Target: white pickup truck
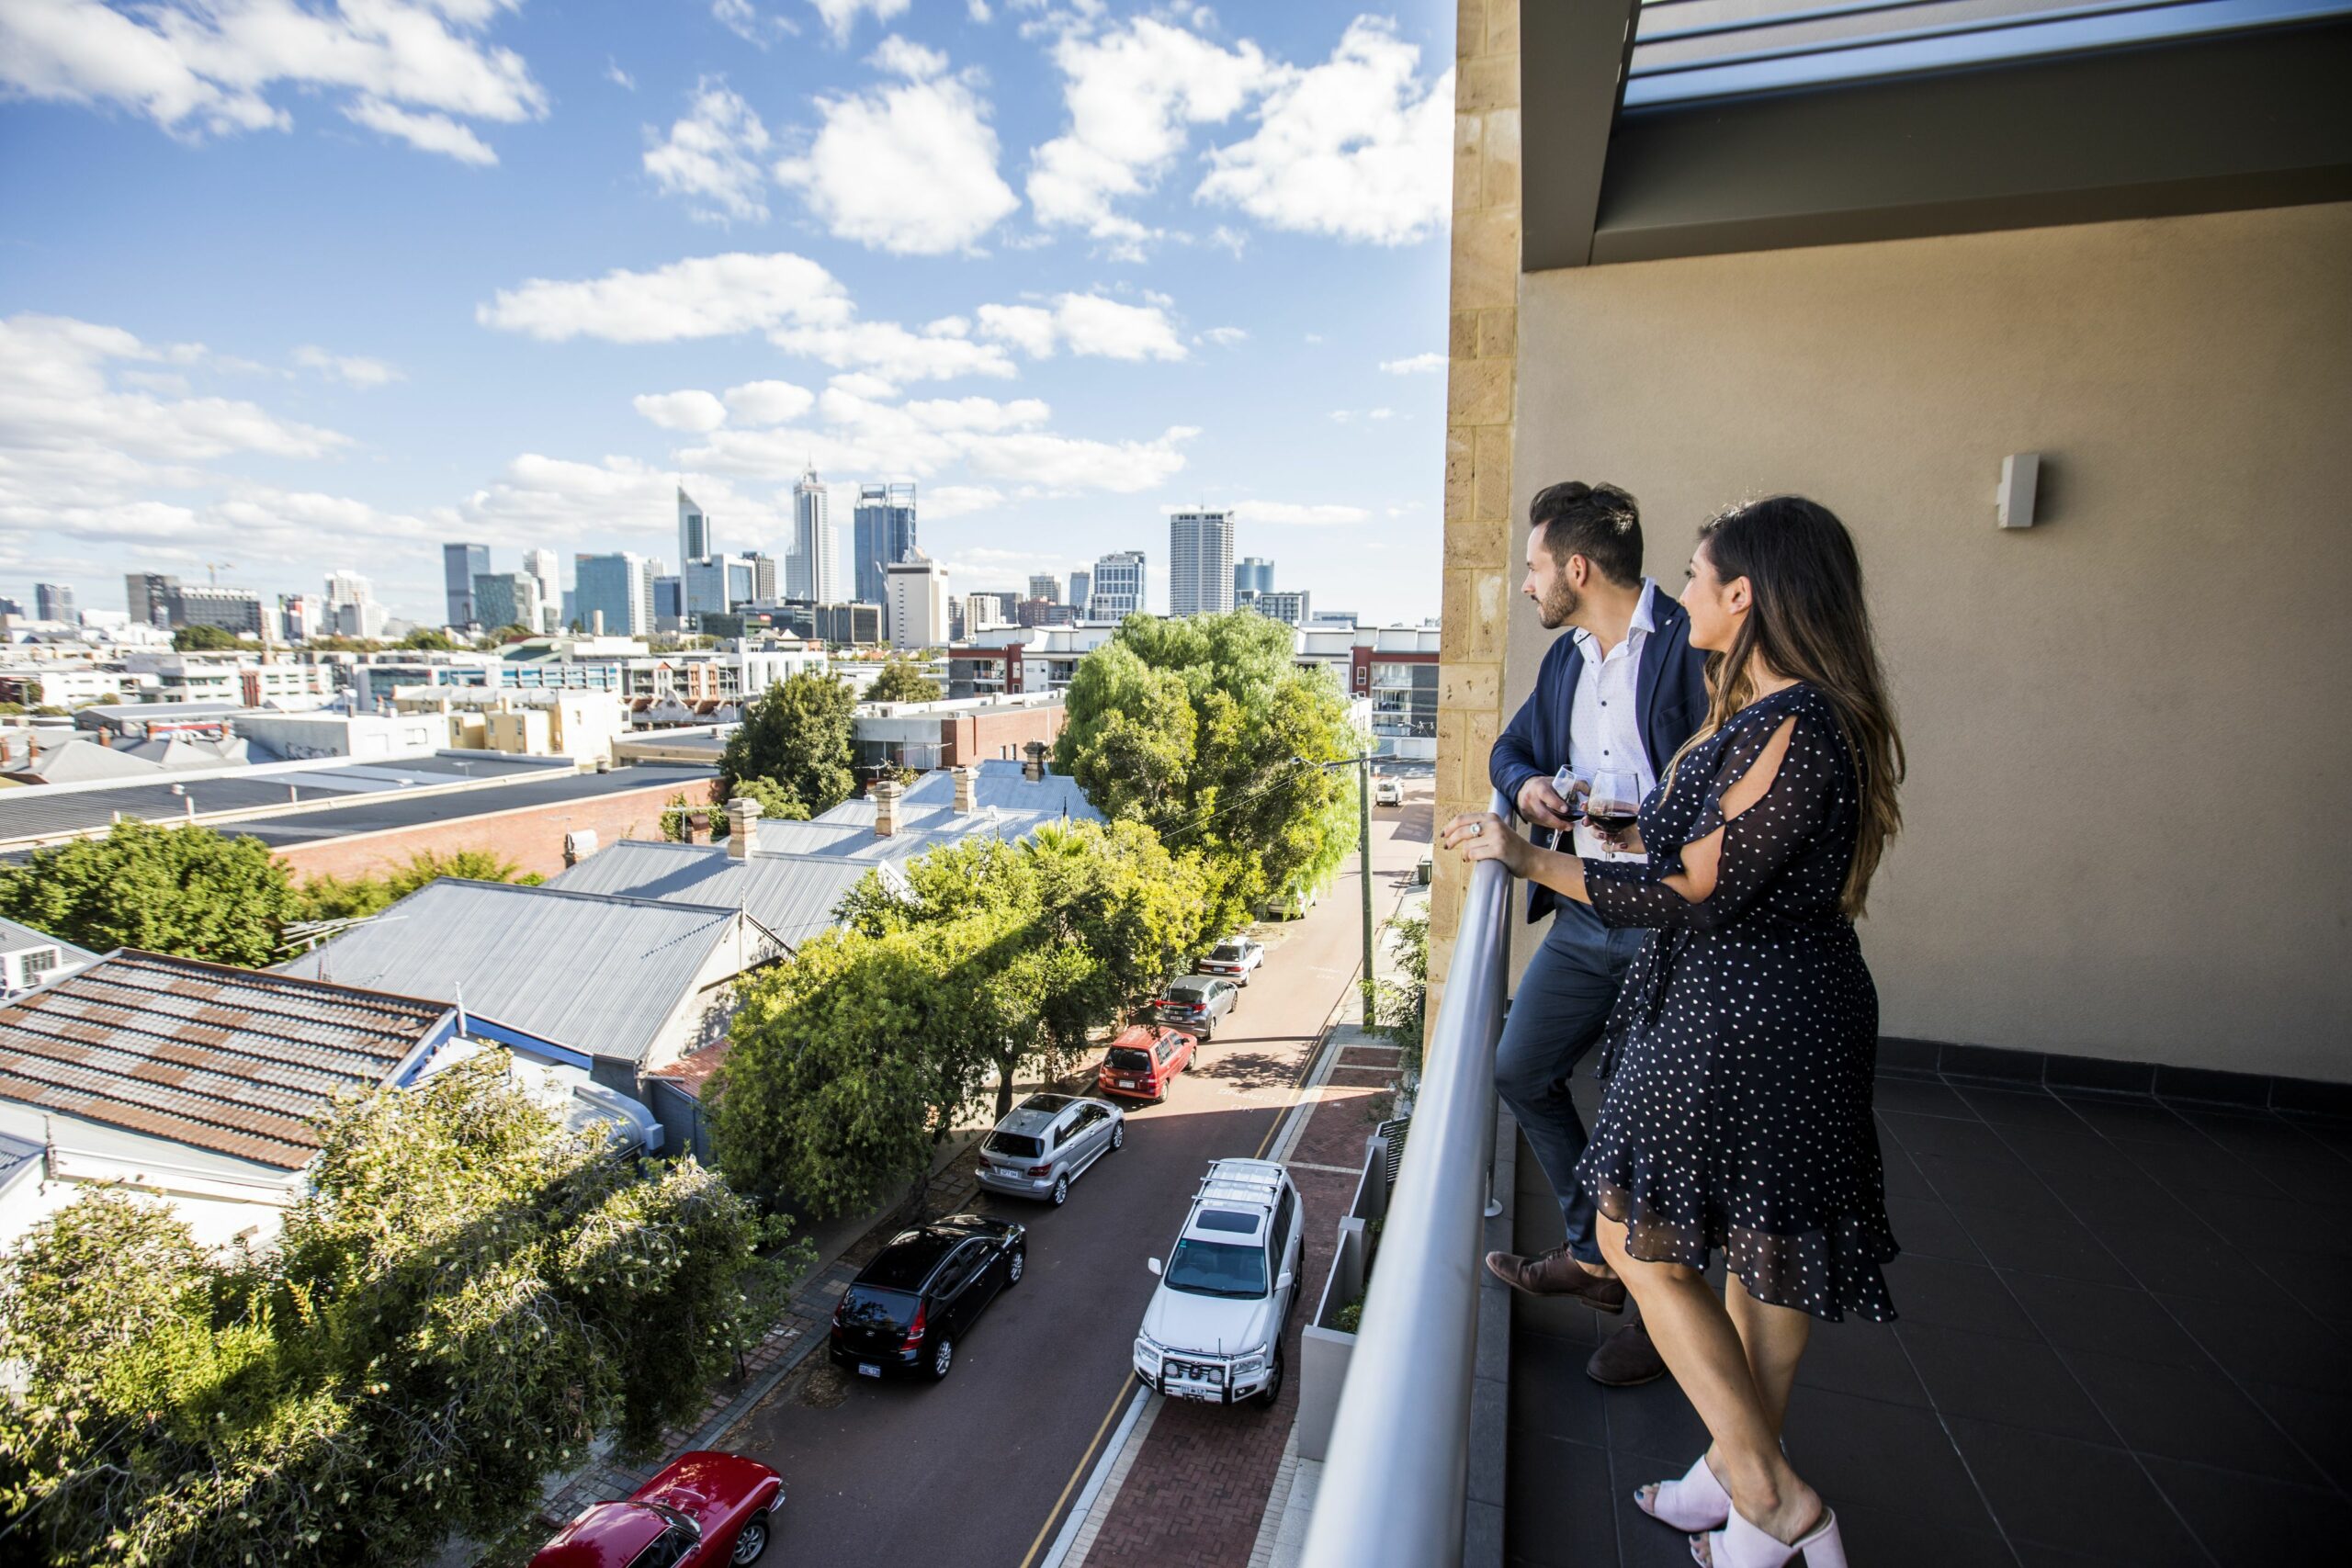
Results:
1214 1328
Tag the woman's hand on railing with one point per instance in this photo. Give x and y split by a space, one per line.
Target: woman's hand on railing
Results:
1482 835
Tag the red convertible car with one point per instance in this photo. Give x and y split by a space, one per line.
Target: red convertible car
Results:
706 1509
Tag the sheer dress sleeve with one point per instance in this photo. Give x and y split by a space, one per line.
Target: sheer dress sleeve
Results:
1757 843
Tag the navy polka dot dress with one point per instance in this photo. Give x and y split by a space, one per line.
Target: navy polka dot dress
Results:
1741 1050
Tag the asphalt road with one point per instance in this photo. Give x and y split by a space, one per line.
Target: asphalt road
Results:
976 1470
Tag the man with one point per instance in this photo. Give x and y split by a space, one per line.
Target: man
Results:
1621 692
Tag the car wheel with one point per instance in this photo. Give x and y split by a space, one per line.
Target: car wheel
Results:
1273 1389
942 1357
1016 1267
1119 1135
1061 1190
751 1541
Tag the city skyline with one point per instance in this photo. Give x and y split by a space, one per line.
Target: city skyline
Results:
362 317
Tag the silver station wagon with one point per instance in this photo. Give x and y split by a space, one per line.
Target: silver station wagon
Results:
1046 1143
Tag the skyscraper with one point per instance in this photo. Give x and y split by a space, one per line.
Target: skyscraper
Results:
1252 574
882 533
1200 562
546 566
693 530
618 587
814 571
507 599
917 604
149 594
348 587
1119 587
461 564
1082 584
53 600
716 584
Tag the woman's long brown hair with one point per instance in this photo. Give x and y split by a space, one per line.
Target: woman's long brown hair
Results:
1807 619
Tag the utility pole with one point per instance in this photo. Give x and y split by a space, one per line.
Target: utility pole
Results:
1364 862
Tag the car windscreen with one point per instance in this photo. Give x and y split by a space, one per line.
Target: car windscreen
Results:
1127 1059
1187 991
1015 1145
865 1306
1226 953
1218 1268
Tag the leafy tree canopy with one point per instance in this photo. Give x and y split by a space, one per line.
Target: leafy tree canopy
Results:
777 805
902 681
429 640
468 1294
796 734
203 639
335 897
186 891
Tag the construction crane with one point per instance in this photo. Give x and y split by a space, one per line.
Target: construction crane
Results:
213 569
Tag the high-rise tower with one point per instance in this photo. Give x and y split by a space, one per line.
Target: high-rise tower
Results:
1200 562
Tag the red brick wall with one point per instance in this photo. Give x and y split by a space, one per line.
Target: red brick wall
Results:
531 837
973 738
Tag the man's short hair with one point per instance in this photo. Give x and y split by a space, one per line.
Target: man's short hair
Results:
1600 522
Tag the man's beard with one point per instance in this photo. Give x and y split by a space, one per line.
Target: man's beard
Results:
1558 607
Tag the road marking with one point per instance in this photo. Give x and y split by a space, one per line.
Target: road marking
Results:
1085 1460
1309 1165
1116 1456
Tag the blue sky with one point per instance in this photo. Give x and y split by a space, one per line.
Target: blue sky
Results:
296 285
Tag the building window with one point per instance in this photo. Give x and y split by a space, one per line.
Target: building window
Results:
39 962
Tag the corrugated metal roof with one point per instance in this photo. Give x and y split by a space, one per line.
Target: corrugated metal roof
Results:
597 973
231 1060
791 896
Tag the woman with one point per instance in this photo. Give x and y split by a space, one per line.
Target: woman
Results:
1740 1055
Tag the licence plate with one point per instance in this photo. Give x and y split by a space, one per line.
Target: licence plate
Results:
1206 1395
869 1369
1127 1083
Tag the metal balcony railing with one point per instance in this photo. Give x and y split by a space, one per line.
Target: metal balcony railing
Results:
1397 1475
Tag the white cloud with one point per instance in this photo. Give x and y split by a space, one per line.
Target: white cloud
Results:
939 352
902 57
840 15
1288 512
714 156
1087 324
1061 464
1415 365
1227 337
415 68
745 21
425 132
1356 147
768 403
864 384
351 369
618 77
693 411
700 297
944 501
908 168
1133 95
977 9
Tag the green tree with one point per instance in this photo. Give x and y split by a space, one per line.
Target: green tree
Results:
467 1294
513 631
1402 1007
427 640
203 639
335 897
186 891
1192 727
796 734
901 679
777 805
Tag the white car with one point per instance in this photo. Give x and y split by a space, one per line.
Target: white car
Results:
1213 1330
1386 791
1236 958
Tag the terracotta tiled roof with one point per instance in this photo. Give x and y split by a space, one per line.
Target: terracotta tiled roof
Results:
231 1060
691 1073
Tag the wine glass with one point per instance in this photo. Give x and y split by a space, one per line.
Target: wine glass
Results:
1615 802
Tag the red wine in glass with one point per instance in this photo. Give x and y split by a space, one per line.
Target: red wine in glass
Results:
1615 803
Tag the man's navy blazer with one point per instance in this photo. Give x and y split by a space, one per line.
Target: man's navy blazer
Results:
1671 685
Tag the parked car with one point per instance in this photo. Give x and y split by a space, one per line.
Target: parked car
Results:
705 1508
1214 1328
905 1310
1388 791
1290 903
1047 1142
1236 958
1195 1002
1143 1061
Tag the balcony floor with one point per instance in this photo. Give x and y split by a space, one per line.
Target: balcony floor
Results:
2126 1336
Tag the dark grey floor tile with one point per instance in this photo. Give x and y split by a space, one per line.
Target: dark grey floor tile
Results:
1549 1393
1903 1178
2190 1171
2255 1226
1655 1419
1889 1533
2329 1131
2280 1151
2003 1183
1864 1454
1562 1317
2059 1156
2189 1413
2074 1316
2023 1107
2033 1556
2073 1495
2145 1121
1920 1097
1988 1377
2320 1281
2197 1263
1925 1228
2262 1343
2041 1241
1956 1295
1949 1136
2134 1199
2319 1423
1859 1358
1643 1542
1556 1511
2244 1519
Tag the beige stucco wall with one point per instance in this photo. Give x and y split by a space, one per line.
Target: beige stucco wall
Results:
2179 625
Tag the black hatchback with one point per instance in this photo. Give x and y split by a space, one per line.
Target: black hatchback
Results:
906 1310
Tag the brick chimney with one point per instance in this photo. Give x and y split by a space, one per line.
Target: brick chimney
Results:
1033 767
742 822
967 791
886 808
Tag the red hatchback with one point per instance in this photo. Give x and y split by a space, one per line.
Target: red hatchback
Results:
1143 1061
706 1509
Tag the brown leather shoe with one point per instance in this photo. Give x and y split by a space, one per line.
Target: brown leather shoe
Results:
1626 1358
1555 1273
